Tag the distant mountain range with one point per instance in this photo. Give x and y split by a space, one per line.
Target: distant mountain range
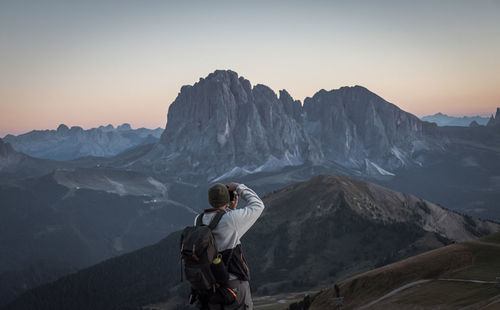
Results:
445 120
310 234
70 143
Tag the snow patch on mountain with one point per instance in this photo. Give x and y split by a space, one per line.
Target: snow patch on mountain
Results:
222 138
158 185
399 154
119 188
370 164
235 172
272 164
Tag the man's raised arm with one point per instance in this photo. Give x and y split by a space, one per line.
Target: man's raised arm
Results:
245 217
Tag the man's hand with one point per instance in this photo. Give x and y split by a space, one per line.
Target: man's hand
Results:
232 186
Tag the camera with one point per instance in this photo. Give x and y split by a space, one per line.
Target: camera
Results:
232 195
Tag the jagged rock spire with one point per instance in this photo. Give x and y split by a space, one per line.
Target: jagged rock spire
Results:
222 123
495 120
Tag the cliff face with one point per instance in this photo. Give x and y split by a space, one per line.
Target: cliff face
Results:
224 125
359 129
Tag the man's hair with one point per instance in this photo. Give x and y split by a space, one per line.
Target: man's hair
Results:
218 195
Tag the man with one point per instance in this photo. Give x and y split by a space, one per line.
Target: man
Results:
232 226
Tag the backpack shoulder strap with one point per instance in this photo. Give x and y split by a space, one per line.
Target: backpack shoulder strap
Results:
216 219
199 219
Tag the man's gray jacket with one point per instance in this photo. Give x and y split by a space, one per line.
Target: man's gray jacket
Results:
235 223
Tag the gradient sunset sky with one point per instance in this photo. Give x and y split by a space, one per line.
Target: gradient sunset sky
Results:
91 63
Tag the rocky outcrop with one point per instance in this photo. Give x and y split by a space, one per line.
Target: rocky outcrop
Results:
9 158
361 130
5 149
474 124
16 165
224 126
494 120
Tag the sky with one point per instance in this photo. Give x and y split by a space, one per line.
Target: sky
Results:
91 63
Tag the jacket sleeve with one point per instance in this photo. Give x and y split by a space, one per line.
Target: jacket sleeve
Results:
244 218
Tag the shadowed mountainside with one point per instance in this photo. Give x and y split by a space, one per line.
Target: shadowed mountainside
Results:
16 165
53 225
310 234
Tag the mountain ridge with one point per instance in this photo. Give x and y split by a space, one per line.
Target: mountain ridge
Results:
446 120
66 143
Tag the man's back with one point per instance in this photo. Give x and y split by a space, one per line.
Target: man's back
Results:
231 227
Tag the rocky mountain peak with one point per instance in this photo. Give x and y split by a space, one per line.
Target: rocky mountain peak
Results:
324 194
62 128
124 127
224 125
10 158
5 148
224 76
474 124
495 120
292 107
109 127
369 132
75 129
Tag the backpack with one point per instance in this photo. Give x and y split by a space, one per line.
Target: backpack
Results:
198 252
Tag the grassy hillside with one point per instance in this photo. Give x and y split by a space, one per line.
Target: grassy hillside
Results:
447 270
